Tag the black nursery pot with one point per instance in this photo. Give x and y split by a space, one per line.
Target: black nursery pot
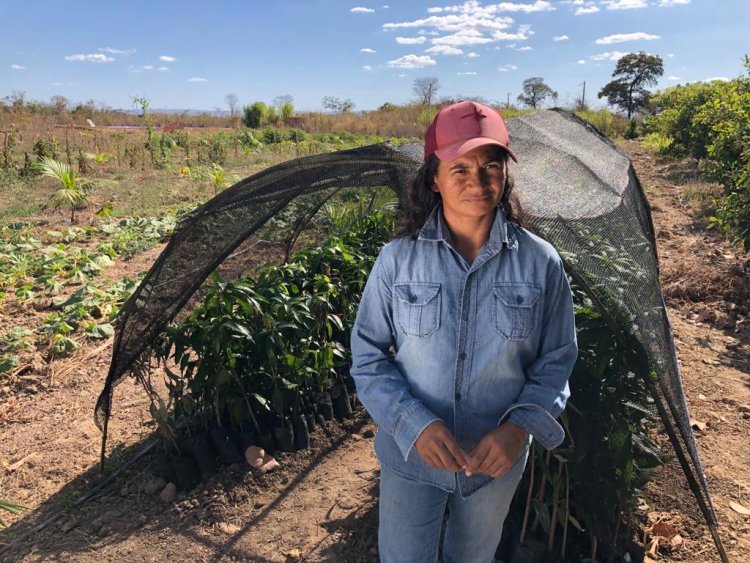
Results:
199 448
267 442
164 462
325 406
224 446
301 432
342 408
187 475
311 422
283 434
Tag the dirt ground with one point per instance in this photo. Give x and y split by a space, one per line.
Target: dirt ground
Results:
320 505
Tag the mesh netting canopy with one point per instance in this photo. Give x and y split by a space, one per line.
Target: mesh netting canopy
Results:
577 190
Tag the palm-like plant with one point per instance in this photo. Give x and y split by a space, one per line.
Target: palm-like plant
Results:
74 189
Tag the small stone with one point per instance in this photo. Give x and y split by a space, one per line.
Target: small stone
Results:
169 493
294 554
202 514
357 437
701 396
369 433
124 491
254 456
746 415
154 486
104 531
228 529
269 464
68 523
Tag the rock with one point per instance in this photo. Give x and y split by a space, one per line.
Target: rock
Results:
706 315
228 529
124 491
104 531
294 554
154 486
369 433
68 523
254 456
744 408
99 522
169 493
269 464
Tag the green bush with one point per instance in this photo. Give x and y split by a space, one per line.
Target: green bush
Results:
271 135
296 135
252 115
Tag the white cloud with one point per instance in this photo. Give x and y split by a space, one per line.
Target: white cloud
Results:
436 10
444 50
623 37
386 6
560 38
197 79
148 67
410 40
525 48
581 61
673 77
507 68
538 6
586 10
472 55
163 69
625 4
670 55
402 75
609 56
523 33
466 73
366 67
361 10
112 51
412 61
18 67
463 37
667 3
94 58
719 78
367 50
167 59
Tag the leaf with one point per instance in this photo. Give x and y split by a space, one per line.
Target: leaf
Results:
737 507
542 512
101 331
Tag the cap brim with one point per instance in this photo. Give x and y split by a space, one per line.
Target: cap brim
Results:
452 152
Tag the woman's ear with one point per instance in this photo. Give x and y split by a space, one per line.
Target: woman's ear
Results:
434 187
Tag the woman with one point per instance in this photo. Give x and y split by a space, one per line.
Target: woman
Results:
462 347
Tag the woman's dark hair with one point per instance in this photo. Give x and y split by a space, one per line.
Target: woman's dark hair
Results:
420 199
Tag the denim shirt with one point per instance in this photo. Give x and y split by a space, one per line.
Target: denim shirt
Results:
473 345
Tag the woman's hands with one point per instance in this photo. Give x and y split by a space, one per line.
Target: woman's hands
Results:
437 446
494 455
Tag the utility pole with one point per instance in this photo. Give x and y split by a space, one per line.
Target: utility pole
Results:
507 103
583 97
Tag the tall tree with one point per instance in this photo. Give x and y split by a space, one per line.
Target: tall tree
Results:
535 91
632 74
233 103
336 104
426 88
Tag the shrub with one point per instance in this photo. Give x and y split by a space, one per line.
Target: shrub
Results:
296 135
271 135
252 115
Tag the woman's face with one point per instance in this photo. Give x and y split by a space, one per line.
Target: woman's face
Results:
471 185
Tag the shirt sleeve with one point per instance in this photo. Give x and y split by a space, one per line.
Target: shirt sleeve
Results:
381 386
546 391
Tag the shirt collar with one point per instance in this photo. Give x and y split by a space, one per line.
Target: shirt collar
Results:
435 229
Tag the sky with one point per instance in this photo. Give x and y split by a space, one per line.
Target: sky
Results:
190 54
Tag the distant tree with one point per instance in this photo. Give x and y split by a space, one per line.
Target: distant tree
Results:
535 91
15 100
633 73
336 104
388 106
233 104
426 89
59 103
279 101
253 114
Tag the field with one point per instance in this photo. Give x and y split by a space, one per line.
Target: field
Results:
66 271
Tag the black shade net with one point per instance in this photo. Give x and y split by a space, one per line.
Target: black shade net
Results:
577 190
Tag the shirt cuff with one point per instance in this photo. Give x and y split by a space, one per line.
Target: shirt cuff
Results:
537 422
410 425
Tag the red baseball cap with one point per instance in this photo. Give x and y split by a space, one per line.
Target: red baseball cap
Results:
463 126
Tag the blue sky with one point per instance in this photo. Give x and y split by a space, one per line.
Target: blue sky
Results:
190 54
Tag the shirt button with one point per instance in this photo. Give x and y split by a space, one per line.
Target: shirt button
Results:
413 299
458 396
519 299
462 356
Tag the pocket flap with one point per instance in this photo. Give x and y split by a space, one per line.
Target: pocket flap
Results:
515 294
417 293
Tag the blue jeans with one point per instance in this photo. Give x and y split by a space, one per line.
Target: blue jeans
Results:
411 517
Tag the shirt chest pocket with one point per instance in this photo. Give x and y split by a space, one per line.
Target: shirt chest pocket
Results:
417 307
516 308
